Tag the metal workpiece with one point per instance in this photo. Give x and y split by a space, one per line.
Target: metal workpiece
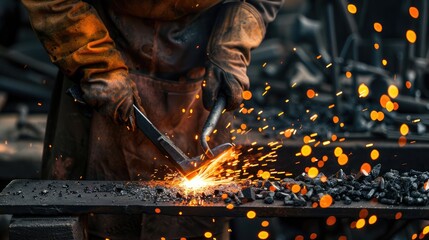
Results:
46 197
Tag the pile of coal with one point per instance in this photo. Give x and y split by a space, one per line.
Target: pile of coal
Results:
392 188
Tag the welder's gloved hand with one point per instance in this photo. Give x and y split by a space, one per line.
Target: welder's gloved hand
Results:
113 98
238 29
218 82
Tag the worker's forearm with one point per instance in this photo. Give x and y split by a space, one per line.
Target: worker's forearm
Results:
75 38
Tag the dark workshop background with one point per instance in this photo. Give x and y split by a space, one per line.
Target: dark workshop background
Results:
316 46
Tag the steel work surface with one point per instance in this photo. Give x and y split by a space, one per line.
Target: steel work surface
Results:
26 197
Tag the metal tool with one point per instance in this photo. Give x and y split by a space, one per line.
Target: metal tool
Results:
188 167
209 126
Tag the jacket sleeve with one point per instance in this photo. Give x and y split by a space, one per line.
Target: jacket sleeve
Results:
267 8
75 38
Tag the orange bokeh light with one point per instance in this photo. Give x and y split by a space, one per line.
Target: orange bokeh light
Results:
305 150
331 220
352 8
296 188
402 141
398 215
360 223
313 172
365 168
414 12
311 93
251 214
384 99
404 129
343 159
378 27
411 36
247 95
374 154
263 235
325 201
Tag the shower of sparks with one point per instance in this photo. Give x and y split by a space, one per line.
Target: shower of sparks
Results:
209 175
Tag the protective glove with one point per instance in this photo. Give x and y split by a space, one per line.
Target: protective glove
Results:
113 98
80 45
238 29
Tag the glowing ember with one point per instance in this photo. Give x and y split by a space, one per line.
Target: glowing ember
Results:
265 223
251 214
263 235
393 91
380 116
402 141
352 8
230 206
384 99
363 213
208 234
338 151
376 46
247 95
363 90
296 188
365 168
311 93
325 201
411 36
374 154
378 27
349 74
372 219
299 237
404 129
398 215
313 172
414 12
360 223
305 150
390 106
265 175
343 159
331 220
425 230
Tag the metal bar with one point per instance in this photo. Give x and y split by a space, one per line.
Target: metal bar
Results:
350 20
164 144
333 51
422 29
37 65
37 197
210 125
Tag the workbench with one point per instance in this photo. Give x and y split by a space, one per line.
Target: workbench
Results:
57 205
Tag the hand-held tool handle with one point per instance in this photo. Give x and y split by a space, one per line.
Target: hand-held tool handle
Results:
165 145
210 124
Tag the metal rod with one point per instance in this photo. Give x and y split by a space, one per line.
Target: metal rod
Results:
332 46
210 124
422 28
